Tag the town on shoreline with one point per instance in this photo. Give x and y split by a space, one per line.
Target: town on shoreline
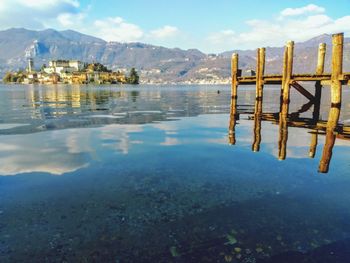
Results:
70 72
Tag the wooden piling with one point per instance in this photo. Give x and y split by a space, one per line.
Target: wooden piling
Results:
287 70
336 92
317 100
234 75
233 111
287 79
260 70
320 58
336 85
283 116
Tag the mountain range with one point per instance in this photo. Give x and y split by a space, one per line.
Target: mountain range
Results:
156 64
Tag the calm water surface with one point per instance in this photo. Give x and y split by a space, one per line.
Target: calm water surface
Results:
147 174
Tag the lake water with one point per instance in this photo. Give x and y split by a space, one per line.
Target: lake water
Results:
149 174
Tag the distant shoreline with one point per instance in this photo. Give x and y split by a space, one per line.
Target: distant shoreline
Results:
116 85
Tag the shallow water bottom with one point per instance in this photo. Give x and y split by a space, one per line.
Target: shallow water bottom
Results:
191 198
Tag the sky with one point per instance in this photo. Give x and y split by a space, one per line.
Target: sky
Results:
211 26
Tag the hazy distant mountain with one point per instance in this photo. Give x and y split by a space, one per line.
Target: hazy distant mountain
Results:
305 56
156 64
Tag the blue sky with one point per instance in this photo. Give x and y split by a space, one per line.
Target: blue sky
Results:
211 26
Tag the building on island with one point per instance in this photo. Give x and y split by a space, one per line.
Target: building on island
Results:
250 72
64 66
30 65
68 72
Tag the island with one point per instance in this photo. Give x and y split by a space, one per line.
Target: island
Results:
70 72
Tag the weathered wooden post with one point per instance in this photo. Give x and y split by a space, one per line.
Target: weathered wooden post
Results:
287 71
286 83
336 85
318 87
336 96
320 58
233 110
234 75
317 101
260 70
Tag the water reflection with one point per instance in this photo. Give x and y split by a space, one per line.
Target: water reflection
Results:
43 108
234 116
63 151
331 129
32 109
146 175
257 125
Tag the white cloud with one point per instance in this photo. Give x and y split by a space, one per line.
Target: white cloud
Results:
34 13
69 20
299 24
309 9
222 36
165 32
116 29
44 4
68 14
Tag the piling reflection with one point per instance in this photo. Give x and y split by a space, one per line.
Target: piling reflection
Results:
233 119
283 132
257 125
327 152
331 129
313 144
330 139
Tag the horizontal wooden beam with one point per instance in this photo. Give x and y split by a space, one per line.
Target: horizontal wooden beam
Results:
277 79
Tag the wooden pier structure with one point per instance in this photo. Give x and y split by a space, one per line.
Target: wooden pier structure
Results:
288 81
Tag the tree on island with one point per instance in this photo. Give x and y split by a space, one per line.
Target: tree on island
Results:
43 67
98 67
16 77
133 77
7 78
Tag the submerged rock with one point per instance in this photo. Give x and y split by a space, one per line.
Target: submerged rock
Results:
174 252
259 250
231 239
228 258
238 249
